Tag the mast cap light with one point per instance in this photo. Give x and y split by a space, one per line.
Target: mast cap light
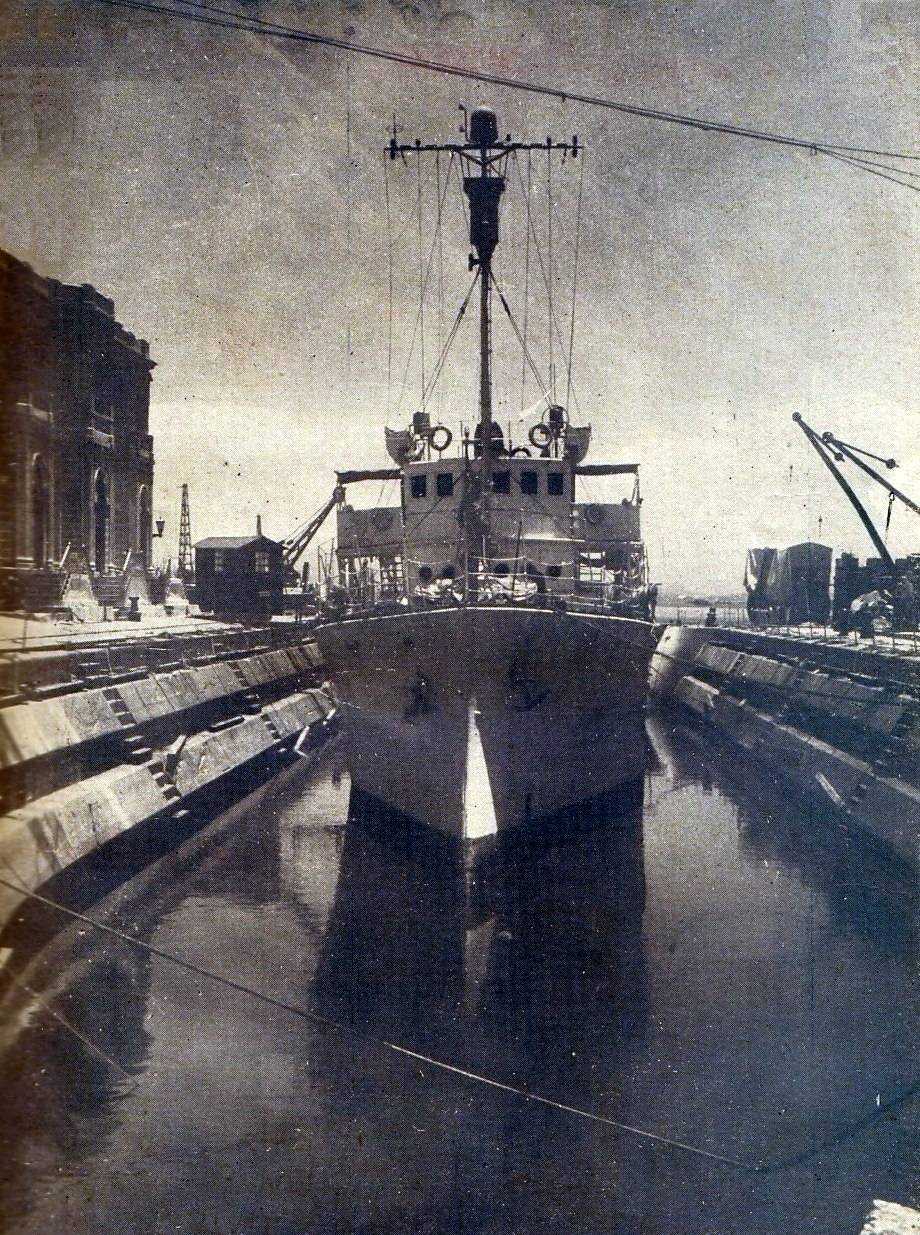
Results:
483 127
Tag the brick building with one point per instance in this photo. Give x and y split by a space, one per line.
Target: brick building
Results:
76 459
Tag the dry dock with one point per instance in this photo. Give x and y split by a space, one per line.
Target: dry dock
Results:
698 1018
106 732
836 718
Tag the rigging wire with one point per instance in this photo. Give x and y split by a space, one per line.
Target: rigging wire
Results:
417 316
348 228
536 245
527 192
440 235
546 390
461 195
581 185
386 200
422 280
209 14
549 263
452 334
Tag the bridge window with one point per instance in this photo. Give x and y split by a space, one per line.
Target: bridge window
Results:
219 561
444 484
555 484
529 482
419 485
501 482
262 563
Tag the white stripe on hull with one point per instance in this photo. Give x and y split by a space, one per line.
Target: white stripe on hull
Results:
479 720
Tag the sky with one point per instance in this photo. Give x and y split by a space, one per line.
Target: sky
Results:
229 193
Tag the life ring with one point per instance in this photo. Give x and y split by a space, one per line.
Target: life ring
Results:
520 452
382 520
594 515
540 436
440 438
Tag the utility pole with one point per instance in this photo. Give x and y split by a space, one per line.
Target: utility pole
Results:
185 568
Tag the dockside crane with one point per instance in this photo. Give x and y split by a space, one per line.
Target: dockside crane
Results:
295 545
853 453
828 459
832 451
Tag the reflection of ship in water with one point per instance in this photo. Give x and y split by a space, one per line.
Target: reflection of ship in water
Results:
538 943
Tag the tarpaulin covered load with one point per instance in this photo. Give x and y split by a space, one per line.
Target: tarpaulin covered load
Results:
756 572
798 584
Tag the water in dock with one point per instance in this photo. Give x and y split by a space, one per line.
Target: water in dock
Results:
699 1018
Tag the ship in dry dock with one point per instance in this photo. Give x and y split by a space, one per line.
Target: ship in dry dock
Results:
489 639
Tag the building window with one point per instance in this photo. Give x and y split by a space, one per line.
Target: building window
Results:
419 485
40 512
445 484
262 563
529 482
220 562
143 519
555 484
501 482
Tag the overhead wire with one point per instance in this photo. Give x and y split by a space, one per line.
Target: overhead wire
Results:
317 1018
871 169
208 14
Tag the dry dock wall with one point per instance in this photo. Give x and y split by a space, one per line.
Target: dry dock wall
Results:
79 769
842 723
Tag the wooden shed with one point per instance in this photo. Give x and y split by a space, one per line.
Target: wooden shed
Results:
239 576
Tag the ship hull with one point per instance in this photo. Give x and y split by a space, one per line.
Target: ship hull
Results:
478 721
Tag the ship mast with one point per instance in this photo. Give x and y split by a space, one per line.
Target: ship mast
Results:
484 191
485 160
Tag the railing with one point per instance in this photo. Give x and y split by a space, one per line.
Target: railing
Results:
363 597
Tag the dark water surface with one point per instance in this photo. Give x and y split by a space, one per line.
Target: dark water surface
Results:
712 969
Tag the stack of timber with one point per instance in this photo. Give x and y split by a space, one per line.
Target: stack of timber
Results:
838 720
95 741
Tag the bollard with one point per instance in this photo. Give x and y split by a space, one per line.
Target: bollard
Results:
134 613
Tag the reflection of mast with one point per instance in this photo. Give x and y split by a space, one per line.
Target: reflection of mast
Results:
185 568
